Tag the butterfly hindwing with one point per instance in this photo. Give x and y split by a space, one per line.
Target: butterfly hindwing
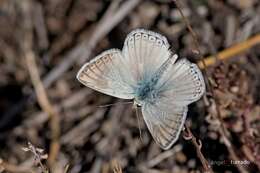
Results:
164 121
107 73
180 84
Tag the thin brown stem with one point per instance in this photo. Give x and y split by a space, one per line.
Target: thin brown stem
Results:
45 105
188 135
40 91
231 51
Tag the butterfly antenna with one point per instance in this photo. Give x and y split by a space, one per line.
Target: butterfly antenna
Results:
138 121
113 104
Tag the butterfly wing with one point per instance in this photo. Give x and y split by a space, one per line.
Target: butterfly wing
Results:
107 73
145 51
181 84
164 121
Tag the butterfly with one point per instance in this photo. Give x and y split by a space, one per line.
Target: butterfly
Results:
147 71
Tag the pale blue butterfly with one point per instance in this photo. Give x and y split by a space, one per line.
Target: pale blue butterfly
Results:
145 70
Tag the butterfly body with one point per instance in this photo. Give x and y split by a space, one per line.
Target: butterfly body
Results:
146 71
145 92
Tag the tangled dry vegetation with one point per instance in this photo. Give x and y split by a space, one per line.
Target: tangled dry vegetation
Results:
51 123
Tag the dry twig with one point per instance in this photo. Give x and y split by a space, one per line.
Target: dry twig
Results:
231 51
37 84
188 135
45 105
38 155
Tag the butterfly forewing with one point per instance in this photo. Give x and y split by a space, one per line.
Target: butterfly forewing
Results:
164 121
145 51
107 73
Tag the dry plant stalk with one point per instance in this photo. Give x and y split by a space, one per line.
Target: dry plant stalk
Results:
45 105
41 94
188 135
231 51
38 155
222 129
66 170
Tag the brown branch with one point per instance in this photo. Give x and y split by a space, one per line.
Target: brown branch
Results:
41 94
188 135
231 51
45 105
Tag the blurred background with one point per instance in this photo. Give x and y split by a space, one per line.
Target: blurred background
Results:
49 122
